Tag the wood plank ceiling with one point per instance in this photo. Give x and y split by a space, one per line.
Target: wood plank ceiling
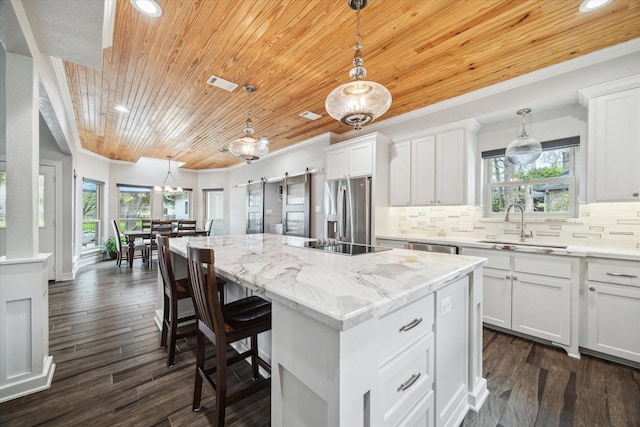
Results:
296 51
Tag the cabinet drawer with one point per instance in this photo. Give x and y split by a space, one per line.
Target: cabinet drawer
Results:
402 327
618 272
552 266
405 379
496 259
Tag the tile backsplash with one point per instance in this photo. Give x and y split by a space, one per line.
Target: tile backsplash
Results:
598 224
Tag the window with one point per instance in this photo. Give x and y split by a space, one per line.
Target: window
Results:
134 205
92 193
176 206
3 198
546 187
213 209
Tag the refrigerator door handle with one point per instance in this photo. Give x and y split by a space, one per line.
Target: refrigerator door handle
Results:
349 197
340 212
368 210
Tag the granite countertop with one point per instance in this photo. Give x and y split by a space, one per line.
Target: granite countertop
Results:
338 290
589 249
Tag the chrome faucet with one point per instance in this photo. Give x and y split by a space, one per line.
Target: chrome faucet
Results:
523 235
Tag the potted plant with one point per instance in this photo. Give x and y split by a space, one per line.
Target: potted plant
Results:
110 247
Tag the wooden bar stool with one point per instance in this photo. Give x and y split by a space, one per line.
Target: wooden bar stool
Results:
174 290
223 325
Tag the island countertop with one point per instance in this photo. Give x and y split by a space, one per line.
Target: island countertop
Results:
338 290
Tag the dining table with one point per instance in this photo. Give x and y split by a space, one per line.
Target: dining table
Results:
132 235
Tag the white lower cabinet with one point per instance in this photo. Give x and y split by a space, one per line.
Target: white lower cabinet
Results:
406 361
531 294
613 308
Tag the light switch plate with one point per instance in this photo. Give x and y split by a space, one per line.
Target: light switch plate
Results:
318 208
445 306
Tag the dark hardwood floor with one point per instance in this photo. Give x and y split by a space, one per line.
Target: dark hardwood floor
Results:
111 371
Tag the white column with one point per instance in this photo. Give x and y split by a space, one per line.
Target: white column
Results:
25 364
22 156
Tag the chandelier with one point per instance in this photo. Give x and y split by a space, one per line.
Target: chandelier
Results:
165 187
524 149
248 147
358 102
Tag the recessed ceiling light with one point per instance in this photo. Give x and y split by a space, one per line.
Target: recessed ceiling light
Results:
121 108
589 5
148 7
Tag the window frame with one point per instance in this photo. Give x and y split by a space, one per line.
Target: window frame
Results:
573 180
100 191
122 222
218 223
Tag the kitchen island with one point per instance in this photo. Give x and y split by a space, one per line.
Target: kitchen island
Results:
384 338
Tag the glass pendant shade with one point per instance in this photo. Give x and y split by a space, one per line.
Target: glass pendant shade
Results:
248 147
524 149
358 102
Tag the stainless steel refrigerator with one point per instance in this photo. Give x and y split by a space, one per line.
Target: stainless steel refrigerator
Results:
347 207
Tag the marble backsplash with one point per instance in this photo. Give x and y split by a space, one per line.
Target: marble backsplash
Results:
598 224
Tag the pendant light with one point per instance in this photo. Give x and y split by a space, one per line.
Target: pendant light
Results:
248 147
524 149
165 187
358 102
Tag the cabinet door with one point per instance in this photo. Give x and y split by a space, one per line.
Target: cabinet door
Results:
336 164
542 307
617 126
452 351
613 320
450 168
360 159
496 297
400 174
423 160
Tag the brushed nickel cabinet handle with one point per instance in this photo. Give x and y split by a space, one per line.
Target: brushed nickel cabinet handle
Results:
592 289
630 276
515 277
408 383
410 325
507 277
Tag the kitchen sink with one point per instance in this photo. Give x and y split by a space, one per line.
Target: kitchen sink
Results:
535 244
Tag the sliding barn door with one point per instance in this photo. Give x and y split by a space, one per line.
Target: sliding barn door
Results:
255 207
296 205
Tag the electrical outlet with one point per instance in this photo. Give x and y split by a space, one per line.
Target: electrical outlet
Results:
466 226
318 208
445 306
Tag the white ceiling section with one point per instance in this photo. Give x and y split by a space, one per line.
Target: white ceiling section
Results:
68 29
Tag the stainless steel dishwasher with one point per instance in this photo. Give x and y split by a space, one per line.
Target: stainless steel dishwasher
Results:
429 247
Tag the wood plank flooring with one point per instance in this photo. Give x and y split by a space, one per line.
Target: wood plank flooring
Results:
110 370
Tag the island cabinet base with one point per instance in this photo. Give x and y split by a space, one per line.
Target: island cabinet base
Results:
381 372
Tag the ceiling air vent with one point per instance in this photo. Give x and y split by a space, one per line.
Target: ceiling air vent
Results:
309 115
221 83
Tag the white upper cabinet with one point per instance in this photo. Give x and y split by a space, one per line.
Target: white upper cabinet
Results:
434 168
351 158
613 142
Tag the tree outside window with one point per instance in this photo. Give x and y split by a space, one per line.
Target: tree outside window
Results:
134 205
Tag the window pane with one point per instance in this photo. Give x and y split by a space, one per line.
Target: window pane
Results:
176 206
91 209
3 199
255 222
548 198
135 204
295 193
551 163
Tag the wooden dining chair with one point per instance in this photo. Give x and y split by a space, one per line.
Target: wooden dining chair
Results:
186 227
208 225
223 325
159 227
174 290
122 251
